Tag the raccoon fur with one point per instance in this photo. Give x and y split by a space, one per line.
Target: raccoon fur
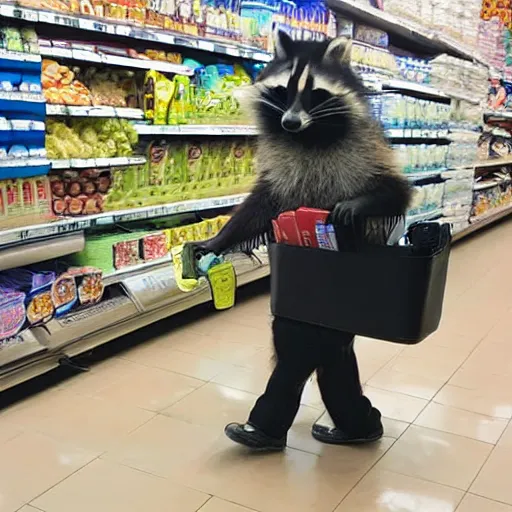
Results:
318 146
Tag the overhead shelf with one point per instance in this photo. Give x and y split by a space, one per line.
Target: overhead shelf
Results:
497 162
94 111
421 38
74 224
115 60
77 22
195 129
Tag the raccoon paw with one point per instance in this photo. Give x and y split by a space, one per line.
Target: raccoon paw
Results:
344 214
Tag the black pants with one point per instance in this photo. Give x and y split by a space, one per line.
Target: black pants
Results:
301 349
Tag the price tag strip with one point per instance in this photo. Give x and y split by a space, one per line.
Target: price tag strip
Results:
28 233
196 129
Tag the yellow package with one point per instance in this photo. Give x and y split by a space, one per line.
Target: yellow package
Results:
159 92
222 279
201 231
185 285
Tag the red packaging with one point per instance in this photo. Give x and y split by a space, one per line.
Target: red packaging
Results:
307 219
126 254
153 246
277 231
289 229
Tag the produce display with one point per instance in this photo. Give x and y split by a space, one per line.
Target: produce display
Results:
90 138
181 170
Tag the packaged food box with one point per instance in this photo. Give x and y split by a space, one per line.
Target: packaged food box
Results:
12 313
153 246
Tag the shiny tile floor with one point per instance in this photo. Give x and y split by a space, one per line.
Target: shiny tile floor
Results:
142 431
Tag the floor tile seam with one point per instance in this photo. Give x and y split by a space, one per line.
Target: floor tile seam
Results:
472 493
61 481
405 395
460 489
29 505
167 478
455 434
462 364
161 412
364 475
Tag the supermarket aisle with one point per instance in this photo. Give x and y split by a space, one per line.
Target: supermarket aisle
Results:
143 430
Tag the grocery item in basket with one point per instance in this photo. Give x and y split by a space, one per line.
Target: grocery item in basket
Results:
12 313
64 294
126 254
153 246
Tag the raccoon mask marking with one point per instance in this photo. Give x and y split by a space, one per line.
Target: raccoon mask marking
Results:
309 87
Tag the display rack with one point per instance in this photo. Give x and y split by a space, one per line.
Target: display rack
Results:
143 293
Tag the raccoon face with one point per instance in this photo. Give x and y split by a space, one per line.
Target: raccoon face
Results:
309 89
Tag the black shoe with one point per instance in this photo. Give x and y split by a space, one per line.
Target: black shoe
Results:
333 435
252 437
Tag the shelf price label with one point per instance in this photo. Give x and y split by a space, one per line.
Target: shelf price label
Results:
66 21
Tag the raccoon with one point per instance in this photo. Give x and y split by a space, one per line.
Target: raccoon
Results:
318 146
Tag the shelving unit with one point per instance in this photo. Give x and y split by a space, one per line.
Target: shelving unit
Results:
146 292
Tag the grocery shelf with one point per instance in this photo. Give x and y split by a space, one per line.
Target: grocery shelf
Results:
74 224
427 40
56 247
424 216
195 129
31 97
94 111
78 22
89 163
19 56
416 133
24 162
404 85
416 176
86 329
484 220
494 163
483 185
115 60
118 275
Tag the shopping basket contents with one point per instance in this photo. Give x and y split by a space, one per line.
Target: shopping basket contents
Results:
392 291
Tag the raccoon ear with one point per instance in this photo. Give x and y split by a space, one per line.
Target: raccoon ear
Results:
284 45
339 49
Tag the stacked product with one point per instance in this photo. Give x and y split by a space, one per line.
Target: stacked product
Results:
421 158
209 98
457 19
427 201
30 297
90 138
182 170
458 198
125 248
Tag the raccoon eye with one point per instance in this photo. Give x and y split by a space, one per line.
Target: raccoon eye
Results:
320 96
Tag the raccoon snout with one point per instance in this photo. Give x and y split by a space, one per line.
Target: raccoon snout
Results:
292 122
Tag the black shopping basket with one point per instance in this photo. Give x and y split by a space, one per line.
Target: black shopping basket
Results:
392 293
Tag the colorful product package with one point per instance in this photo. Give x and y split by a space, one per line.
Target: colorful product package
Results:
12 313
126 254
89 281
153 246
64 294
